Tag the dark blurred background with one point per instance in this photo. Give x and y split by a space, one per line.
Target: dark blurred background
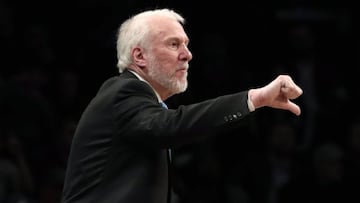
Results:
55 55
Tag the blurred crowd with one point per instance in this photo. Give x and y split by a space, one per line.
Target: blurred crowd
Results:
55 55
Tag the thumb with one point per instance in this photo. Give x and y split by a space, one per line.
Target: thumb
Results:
294 108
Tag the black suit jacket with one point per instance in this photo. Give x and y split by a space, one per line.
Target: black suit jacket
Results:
119 150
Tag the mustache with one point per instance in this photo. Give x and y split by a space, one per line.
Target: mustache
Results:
185 66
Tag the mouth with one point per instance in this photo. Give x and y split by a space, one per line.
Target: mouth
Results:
182 70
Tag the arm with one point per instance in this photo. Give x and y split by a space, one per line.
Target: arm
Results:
144 120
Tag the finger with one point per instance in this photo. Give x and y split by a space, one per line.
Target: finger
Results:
294 108
298 90
290 106
291 92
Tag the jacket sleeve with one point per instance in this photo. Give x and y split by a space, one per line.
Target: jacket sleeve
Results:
141 119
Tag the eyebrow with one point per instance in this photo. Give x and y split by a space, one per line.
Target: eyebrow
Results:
178 39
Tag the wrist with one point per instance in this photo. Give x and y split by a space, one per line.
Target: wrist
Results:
253 99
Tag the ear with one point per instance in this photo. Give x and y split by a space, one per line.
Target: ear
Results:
138 57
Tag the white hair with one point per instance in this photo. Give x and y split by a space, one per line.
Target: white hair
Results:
135 31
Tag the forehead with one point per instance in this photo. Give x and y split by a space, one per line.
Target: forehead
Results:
165 27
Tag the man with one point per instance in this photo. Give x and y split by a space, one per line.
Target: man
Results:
120 150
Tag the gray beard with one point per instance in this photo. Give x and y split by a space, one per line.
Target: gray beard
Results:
166 80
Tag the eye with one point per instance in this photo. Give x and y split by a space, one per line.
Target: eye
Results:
174 44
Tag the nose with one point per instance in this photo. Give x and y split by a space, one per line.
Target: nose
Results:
185 53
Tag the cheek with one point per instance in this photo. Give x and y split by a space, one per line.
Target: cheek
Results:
168 63
166 55
166 60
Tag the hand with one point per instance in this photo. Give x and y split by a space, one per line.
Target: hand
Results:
277 94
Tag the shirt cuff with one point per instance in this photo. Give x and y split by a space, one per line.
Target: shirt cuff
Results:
250 105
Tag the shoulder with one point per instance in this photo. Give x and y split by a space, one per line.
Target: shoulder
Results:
125 84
